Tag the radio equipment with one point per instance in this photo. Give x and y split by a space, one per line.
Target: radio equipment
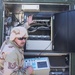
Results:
40 65
40 33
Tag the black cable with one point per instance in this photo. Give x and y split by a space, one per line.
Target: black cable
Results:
48 45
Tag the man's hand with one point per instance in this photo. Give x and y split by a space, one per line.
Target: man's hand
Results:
29 20
30 70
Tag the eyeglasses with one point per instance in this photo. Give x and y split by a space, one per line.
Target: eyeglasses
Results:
22 38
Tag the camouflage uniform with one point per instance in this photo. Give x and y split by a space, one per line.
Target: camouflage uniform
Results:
13 59
11 56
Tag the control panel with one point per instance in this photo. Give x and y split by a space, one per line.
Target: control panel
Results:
40 65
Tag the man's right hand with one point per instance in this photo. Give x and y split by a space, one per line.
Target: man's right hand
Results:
29 19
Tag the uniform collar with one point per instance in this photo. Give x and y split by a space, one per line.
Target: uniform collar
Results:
15 45
21 50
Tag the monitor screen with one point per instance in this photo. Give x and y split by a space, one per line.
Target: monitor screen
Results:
42 64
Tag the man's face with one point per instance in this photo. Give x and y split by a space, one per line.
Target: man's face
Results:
20 41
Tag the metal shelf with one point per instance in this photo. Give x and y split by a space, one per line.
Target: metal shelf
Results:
57 67
44 54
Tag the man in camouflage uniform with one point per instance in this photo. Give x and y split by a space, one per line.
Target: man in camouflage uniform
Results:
12 54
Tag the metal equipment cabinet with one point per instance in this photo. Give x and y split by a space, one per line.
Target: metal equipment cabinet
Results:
55 55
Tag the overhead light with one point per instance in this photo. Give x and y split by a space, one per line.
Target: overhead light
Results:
30 7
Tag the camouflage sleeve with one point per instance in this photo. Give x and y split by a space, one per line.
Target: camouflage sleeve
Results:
10 63
26 25
3 44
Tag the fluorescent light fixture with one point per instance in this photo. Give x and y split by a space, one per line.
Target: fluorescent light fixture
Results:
30 7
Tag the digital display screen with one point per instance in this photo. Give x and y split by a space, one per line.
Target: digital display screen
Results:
42 64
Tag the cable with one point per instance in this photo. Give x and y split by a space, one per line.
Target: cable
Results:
48 45
37 28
